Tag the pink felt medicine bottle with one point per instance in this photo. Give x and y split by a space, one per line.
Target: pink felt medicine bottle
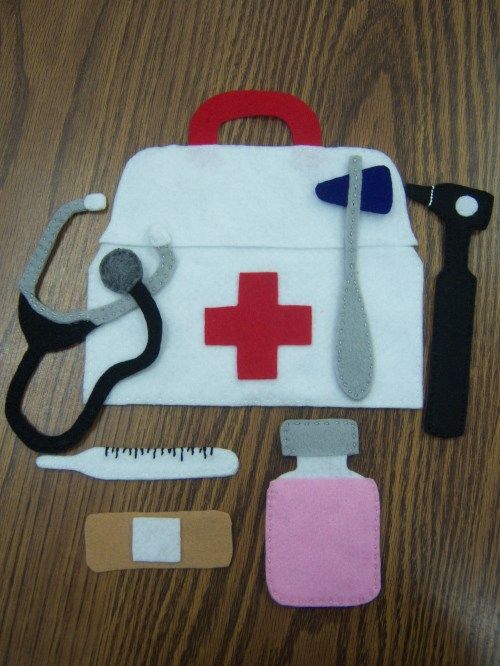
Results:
322 520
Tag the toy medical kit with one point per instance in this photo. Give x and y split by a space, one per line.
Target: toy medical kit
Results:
264 306
176 540
463 211
322 520
47 330
297 284
143 464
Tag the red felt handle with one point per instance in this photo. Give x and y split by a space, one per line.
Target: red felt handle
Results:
301 119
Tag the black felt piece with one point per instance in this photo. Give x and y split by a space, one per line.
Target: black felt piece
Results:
452 327
453 322
442 199
120 270
45 336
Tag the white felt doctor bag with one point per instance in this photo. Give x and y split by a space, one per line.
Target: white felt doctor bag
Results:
271 273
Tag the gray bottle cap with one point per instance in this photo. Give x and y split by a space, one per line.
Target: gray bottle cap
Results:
324 437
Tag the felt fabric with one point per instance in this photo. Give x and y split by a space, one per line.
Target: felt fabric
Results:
206 540
146 464
247 196
121 270
452 328
354 349
246 209
299 117
447 199
190 372
44 336
322 541
466 205
454 299
258 325
156 539
323 437
321 467
38 261
95 201
376 190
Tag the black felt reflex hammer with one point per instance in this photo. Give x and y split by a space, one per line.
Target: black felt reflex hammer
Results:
463 210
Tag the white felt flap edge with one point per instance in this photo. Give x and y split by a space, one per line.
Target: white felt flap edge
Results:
247 196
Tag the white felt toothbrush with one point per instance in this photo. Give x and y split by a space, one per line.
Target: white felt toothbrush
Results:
143 464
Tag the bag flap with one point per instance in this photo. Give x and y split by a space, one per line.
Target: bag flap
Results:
247 196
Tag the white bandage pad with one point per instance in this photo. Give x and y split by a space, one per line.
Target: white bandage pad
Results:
156 540
173 540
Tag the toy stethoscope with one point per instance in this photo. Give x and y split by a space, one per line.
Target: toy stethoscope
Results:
47 330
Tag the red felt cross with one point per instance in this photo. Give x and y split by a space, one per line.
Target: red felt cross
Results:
258 325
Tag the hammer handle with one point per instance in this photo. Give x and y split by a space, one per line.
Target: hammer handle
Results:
448 386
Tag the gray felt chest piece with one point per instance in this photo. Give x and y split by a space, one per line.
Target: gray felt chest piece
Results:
324 437
121 270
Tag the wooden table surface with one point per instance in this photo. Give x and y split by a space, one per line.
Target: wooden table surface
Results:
86 84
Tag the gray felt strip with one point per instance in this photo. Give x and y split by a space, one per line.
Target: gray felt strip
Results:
354 351
103 314
326 437
39 258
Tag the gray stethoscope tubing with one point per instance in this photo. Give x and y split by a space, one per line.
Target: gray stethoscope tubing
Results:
105 313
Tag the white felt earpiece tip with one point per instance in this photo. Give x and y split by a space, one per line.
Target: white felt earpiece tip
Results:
158 236
95 201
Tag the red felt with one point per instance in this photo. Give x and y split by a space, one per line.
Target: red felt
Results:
300 118
258 325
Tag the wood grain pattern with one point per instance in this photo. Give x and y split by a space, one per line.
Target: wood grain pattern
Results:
84 85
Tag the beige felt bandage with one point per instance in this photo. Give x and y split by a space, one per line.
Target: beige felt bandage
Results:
111 539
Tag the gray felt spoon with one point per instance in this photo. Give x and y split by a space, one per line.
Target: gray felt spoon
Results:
354 362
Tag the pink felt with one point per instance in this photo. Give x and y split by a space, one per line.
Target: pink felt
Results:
322 541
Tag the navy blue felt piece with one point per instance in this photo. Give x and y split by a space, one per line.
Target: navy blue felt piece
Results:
376 190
